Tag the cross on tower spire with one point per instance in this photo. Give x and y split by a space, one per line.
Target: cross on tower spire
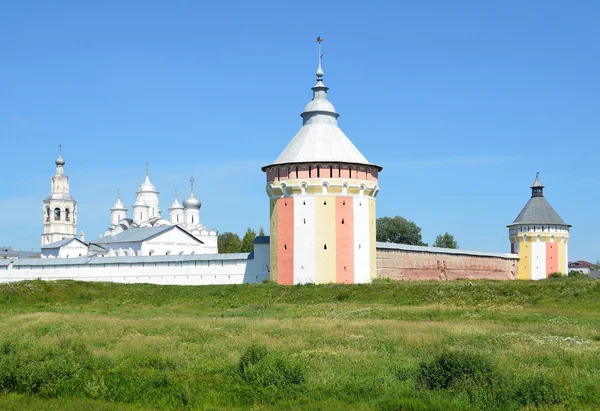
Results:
192 183
147 164
60 149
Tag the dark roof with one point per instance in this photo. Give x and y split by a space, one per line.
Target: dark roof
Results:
439 250
538 211
262 239
62 243
133 235
581 263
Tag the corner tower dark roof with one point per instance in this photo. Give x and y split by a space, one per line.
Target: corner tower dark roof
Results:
538 210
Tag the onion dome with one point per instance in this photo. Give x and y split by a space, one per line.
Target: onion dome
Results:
538 210
320 139
59 160
192 201
176 204
118 205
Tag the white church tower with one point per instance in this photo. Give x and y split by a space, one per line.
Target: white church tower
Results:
59 208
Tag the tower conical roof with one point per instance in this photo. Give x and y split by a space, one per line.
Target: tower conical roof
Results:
119 205
176 204
538 210
320 139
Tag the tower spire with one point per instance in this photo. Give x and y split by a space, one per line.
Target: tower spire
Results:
320 68
147 164
537 189
176 194
192 184
118 193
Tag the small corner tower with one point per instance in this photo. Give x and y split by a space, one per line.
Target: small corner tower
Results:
322 202
59 208
540 237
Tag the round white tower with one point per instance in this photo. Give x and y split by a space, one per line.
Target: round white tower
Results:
176 212
322 202
118 211
191 207
140 211
149 195
59 208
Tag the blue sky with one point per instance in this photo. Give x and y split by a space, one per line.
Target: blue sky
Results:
461 103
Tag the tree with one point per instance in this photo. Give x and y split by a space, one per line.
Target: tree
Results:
445 240
261 232
229 242
247 245
398 230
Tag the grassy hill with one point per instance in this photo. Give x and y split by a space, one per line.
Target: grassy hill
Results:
389 345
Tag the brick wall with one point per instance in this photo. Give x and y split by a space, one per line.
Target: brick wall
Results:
404 262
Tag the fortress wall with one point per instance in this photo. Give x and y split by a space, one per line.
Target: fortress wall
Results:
404 262
182 270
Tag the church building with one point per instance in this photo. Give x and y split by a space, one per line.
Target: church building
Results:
146 213
322 202
540 237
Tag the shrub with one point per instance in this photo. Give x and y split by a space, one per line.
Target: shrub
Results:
556 275
452 369
540 390
259 367
577 274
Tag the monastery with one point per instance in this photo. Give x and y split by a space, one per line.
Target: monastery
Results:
322 203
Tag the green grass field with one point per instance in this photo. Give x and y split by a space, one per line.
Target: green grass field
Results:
389 346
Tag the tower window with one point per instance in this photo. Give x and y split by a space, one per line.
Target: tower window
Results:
325 247
278 176
192 219
305 221
296 172
57 214
318 171
330 171
67 215
325 202
339 171
309 171
177 218
342 221
47 213
350 171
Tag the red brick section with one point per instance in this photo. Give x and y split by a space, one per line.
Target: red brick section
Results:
285 241
551 258
344 215
417 265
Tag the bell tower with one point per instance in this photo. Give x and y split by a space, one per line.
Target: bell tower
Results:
59 208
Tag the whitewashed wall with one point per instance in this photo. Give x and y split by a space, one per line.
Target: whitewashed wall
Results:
182 270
